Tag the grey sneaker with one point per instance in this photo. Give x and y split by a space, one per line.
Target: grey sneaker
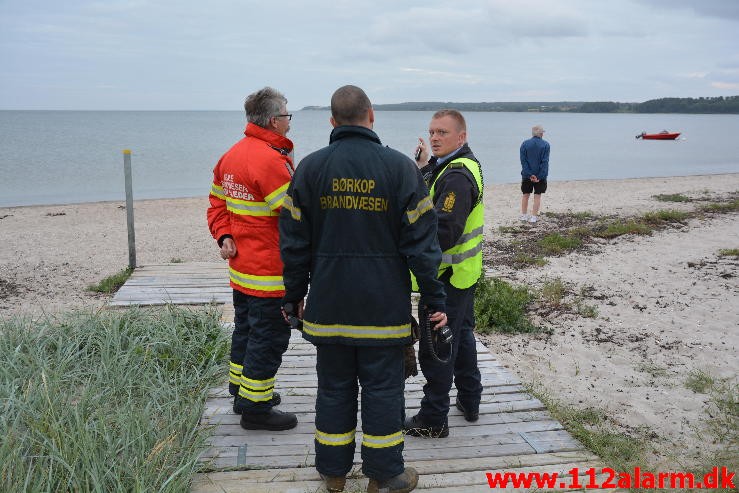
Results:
402 483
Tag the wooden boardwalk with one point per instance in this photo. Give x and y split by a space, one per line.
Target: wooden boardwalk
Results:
191 283
514 433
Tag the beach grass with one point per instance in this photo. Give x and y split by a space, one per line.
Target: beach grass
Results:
553 292
526 259
624 451
556 243
672 197
591 427
108 400
666 216
615 229
113 283
721 207
575 231
501 307
729 252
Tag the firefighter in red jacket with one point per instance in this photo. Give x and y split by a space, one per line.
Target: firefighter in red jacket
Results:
249 185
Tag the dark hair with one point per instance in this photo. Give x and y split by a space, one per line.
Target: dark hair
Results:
263 105
349 105
456 115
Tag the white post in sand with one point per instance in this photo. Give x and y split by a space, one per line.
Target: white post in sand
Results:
129 209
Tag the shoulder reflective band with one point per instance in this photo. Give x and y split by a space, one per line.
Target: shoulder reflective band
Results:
424 205
295 212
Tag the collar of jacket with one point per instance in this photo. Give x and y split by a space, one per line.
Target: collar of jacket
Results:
345 131
463 151
275 140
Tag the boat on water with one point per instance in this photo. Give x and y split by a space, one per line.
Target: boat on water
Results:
663 135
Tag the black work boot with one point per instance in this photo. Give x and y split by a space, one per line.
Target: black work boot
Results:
468 415
415 427
274 420
402 483
334 483
275 401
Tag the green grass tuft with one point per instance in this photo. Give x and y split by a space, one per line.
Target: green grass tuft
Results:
553 292
589 426
666 216
556 243
113 283
106 401
619 229
672 197
526 259
500 307
721 207
729 252
699 382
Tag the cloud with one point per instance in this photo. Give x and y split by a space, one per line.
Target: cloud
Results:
722 9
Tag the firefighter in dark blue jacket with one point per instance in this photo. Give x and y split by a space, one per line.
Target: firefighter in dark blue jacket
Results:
356 218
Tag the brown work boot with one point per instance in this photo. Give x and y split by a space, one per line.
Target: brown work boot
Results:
334 483
402 483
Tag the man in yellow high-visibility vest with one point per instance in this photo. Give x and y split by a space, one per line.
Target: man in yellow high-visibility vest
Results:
454 176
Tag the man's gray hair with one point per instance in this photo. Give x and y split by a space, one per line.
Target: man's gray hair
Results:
537 131
263 105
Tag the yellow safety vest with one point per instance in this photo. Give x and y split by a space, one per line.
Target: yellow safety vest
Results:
465 256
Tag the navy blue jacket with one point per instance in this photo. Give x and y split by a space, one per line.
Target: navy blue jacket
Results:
535 158
356 219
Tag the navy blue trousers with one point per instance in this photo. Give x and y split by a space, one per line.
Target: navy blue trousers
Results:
259 340
379 371
462 368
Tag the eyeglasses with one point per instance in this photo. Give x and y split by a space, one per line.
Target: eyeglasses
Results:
288 115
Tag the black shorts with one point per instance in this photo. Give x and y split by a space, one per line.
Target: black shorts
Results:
538 188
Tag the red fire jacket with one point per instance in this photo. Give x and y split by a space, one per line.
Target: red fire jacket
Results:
249 185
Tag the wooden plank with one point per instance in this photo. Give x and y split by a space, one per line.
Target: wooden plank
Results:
515 462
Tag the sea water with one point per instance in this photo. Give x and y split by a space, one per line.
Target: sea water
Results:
55 157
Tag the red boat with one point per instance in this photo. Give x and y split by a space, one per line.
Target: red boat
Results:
663 135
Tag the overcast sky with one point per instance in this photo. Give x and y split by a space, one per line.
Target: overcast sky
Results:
208 55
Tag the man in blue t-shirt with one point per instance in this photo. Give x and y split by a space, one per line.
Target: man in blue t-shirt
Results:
534 171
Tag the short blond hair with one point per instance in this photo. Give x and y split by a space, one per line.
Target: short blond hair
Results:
456 116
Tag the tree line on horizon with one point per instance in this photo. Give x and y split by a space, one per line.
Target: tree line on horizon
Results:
719 104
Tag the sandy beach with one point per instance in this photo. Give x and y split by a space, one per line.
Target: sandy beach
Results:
667 304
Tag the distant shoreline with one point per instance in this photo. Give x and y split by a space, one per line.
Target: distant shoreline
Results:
706 106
